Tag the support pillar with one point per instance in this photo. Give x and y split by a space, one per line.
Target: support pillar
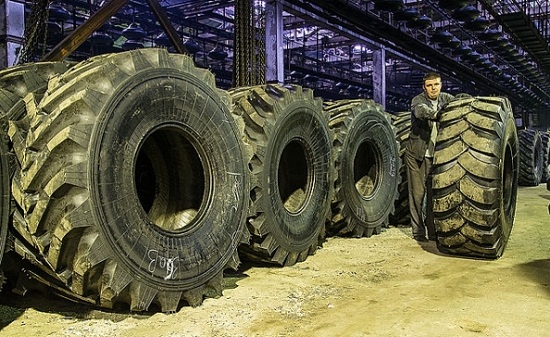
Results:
274 42
379 76
12 31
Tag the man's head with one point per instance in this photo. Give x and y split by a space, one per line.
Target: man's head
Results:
432 85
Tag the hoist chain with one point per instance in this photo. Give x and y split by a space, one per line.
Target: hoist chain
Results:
36 27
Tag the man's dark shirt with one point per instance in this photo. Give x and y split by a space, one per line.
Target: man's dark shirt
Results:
422 118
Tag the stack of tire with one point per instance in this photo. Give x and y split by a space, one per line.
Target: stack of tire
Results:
130 181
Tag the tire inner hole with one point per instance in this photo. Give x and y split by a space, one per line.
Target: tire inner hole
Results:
170 179
366 169
292 176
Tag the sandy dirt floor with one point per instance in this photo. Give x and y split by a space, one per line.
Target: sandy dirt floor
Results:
386 285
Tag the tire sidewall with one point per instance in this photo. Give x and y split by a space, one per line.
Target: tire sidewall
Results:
5 196
151 99
509 177
370 128
299 122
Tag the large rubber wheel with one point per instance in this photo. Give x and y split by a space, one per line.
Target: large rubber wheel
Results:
291 171
545 141
475 173
130 181
366 163
15 83
531 154
5 197
401 122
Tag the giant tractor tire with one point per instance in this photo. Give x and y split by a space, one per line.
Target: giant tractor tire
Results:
545 141
401 122
531 154
475 174
291 171
5 197
15 83
366 161
129 183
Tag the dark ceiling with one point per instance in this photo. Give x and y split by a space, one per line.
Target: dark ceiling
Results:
481 47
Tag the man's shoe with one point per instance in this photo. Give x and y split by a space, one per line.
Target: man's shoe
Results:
421 239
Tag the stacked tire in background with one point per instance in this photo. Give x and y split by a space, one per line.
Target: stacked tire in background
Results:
401 122
130 181
532 156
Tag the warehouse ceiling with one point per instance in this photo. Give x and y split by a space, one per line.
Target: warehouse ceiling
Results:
484 47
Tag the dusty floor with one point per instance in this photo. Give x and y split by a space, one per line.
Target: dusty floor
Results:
387 285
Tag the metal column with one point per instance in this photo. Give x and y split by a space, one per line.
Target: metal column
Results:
379 76
12 30
274 42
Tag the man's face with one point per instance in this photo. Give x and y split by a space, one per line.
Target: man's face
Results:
432 87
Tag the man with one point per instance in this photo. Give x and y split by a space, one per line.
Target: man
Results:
425 108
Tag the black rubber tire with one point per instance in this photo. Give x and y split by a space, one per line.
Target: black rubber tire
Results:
545 141
366 161
130 181
531 155
5 197
475 173
15 83
291 171
401 215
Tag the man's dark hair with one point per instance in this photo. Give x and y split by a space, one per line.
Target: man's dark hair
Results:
431 76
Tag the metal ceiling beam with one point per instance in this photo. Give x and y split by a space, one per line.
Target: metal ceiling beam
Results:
167 26
72 41
341 14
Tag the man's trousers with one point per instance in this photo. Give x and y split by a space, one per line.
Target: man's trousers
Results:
419 183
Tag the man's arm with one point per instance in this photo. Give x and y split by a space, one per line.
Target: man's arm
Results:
422 110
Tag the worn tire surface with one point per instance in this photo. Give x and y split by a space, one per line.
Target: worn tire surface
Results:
531 154
291 171
131 172
366 162
15 83
401 122
5 198
545 141
475 173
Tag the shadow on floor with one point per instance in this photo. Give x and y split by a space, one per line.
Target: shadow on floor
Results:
539 272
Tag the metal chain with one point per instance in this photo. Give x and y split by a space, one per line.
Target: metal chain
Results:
36 23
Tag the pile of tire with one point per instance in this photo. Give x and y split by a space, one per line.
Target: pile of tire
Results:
129 181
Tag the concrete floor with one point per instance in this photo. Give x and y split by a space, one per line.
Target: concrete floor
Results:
386 285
